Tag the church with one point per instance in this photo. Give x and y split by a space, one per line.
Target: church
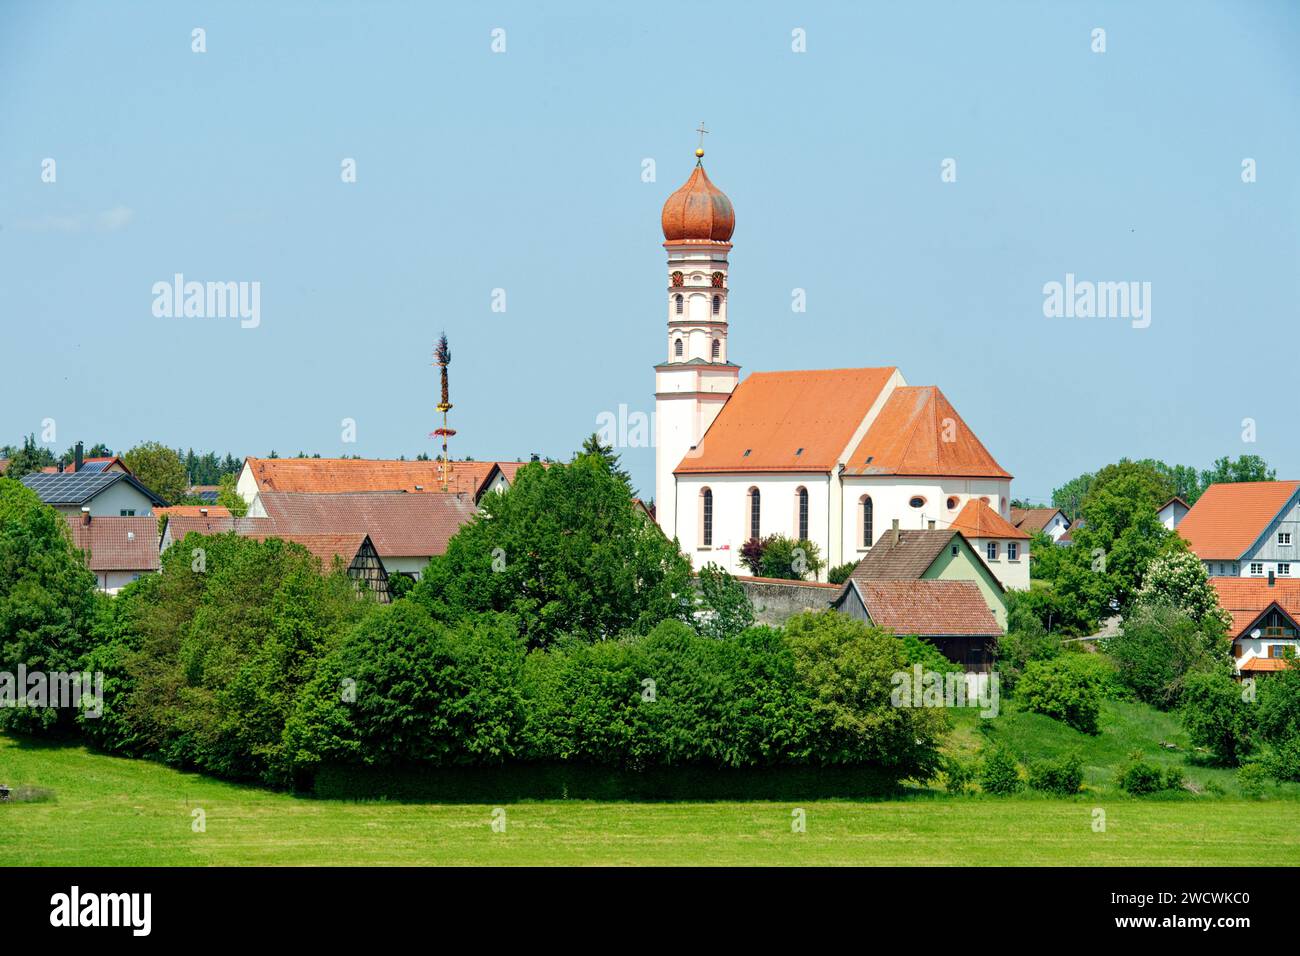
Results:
839 457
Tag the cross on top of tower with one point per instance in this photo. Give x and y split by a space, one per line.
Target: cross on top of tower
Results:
699 151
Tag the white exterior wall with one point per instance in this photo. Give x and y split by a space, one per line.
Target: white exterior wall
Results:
1284 570
778 514
1056 527
112 502
1010 574
405 565
1171 515
1252 647
110 582
247 483
890 496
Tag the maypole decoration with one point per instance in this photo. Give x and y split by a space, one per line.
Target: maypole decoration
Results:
442 358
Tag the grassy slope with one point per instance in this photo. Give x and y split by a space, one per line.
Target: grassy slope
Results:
110 810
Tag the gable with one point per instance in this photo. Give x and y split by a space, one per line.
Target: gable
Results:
918 432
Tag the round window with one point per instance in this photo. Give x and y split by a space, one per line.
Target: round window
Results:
917 502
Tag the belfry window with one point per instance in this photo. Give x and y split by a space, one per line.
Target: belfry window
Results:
717 348
680 303
717 304
677 348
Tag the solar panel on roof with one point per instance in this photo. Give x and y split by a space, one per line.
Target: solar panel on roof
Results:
70 487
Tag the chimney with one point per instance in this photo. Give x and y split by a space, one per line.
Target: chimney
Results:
1270 579
896 533
85 514
78 457
930 524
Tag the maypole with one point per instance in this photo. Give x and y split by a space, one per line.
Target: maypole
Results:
442 358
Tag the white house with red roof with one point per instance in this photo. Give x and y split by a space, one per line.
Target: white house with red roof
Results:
835 456
1265 629
1248 529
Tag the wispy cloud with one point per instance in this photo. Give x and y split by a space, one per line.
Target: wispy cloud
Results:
110 220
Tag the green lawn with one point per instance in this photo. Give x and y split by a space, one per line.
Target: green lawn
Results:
115 811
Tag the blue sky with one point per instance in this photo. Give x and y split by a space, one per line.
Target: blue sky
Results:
522 171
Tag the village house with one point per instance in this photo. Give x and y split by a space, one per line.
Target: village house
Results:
1246 529
1172 512
98 493
117 550
1264 629
344 475
831 456
1050 521
355 552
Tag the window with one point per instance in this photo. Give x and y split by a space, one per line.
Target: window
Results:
1284 538
1256 568
1013 551
754 511
717 304
677 348
868 516
917 502
717 348
802 502
706 518
991 549
1281 650
1284 569
954 550
681 303
952 503
128 512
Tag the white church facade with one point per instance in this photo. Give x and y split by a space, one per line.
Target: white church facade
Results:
836 456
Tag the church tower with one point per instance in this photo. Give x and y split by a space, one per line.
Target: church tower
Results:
695 378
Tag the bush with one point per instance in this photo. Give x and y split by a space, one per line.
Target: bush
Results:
840 573
1066 689
1000 772
846 669
791 559
1140 778
958 775
1278 705
1063 776
1019 646
1217 716
917 650
1282 760
1159 646
1251 778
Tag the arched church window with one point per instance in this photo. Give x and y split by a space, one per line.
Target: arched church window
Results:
868 520
717 304
801 503
706 518
680 302
754 513
717 348
677 348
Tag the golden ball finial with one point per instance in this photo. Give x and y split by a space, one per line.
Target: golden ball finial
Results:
699 154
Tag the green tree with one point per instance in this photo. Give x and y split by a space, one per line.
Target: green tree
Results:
566 553
790 559
28 459
159 469
1159 646
1064 688
1245 468
724 609
229 498
593 446
1216 715
1069 497
47 599
1179 580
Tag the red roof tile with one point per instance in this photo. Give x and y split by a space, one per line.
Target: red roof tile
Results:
193 511
918 432
1265 664
788 421
1247 598
928 608
117 544
324 546
1033 519
978 520
400 525
1228 518
343 475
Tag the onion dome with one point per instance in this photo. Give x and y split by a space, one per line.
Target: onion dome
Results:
699 210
